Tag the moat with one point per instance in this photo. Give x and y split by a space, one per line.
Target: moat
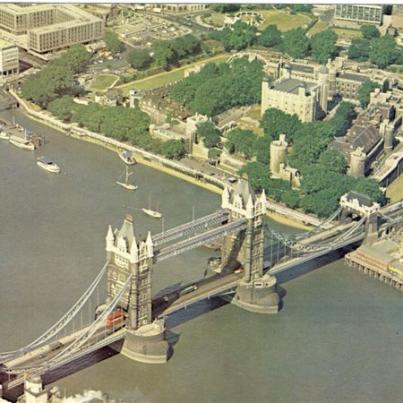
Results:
337 338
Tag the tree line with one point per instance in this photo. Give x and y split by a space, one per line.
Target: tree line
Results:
123 124
321 46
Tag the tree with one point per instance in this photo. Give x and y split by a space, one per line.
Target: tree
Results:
239 36
75 58
53 81
365 91
295 43
270 37
383 51
369 32
139 59
242 142
275 122
225 8
113 43
209 133
332 161
359 49
163 53
218 87
173 149
62 108
262 147
323 45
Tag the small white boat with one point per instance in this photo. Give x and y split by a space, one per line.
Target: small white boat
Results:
126 184
21 143
127 157
150 212
48 165
4 135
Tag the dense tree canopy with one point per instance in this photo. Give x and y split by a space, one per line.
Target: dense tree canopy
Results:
166 53
218 87
239 36
113 43
270 37
242 142
359 49
225 8
123 124
56 79
275 122
295 43
369 31
209 133
323 46
365 91
383 51
139 58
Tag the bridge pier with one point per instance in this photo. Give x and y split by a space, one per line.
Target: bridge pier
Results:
147 344
259 296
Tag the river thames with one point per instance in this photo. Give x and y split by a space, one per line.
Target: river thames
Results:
338 337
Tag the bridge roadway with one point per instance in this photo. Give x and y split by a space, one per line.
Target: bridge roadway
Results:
199 239
38 360
191 228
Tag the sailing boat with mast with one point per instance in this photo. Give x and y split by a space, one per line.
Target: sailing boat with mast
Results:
126 184
150 212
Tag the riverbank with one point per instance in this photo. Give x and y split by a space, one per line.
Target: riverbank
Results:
164 165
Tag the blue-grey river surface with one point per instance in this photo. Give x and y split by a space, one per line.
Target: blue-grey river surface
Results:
339 337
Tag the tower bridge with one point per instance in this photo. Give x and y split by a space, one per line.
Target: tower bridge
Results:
132 321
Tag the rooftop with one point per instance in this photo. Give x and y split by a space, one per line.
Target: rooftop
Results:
292 85
301 67
353 76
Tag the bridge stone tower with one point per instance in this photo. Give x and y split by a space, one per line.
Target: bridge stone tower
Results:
145 338
256 292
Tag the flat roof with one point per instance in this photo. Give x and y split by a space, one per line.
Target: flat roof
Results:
291 85
302 67
353 76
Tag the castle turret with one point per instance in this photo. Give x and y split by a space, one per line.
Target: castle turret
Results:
358 160
278 154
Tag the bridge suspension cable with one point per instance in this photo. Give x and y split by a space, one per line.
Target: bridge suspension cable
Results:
89 331
81 339
60 324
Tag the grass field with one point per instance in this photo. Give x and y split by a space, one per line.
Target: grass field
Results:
395 190
158 80
318 27
246 124
103 81
346 34
215 19
284 20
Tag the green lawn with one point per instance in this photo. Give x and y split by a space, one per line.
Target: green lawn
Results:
158 80
318 27
283 19
102 82
346 34
214 19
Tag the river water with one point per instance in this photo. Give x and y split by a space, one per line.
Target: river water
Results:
337 339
